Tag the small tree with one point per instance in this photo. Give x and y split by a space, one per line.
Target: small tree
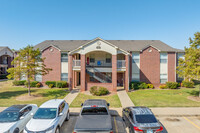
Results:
28 62
189 67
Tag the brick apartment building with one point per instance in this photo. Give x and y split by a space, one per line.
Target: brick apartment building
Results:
109 63
6 57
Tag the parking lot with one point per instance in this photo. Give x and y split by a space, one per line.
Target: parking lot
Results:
170 124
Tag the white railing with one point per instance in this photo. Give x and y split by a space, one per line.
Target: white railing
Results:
121 63
3 65
99 63
76 63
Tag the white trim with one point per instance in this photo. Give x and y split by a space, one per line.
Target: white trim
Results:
149 46
123 51
49 46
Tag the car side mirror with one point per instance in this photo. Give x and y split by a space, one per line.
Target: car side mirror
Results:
108 104
81 104
22 117
60 114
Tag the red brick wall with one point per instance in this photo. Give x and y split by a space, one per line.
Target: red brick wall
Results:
150 66
114 72
53 60
171 66
83 74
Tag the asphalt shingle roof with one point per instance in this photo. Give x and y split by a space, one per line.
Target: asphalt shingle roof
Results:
127 45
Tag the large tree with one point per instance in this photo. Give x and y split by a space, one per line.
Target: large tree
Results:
28 62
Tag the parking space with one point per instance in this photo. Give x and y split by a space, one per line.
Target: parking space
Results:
117 122
181 124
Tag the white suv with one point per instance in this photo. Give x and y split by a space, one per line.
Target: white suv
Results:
49 117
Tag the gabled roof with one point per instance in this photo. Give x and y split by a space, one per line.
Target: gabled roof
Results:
127 45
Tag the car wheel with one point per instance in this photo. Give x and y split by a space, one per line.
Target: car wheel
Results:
57 130
68 117
16 130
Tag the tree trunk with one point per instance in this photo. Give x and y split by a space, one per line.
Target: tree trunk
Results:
29 88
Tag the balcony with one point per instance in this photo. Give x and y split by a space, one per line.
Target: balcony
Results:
76 64
99 63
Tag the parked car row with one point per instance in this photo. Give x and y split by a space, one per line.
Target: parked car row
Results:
94 117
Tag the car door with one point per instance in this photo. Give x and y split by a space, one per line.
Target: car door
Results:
131 121
61 110
125 115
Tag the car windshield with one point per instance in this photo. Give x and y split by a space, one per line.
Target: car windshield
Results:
94 111
145 119
45 113
9 116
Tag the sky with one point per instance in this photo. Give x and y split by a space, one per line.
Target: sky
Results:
29 22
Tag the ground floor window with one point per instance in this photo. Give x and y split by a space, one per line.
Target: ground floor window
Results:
38 77
64 76
163 78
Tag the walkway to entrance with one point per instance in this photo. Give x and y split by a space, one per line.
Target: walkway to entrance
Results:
124 98
72 95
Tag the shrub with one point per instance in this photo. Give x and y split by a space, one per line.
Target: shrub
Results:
163 87
61 84
50 85
38 85
19 82
98 91
150 86
32 83
143 86
51 82
172 85
188 84
134 85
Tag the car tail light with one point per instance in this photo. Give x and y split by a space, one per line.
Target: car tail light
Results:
94 106
160 129
74 132
111 132
137 129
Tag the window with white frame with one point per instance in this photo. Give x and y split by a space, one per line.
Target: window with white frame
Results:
136 66
64 57
163 67
38 77
64 76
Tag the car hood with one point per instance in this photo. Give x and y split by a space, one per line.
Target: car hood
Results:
39 124
94 122
4 127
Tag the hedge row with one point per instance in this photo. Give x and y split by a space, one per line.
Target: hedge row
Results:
58 84
24 82
140 85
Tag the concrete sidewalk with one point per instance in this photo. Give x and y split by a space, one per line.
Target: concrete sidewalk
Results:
124 98
71 96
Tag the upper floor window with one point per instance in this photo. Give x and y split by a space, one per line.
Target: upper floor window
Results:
163 57
136 57
64 57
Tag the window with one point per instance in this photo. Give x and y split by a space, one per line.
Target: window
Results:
64 57
64 76
94 111
145 119
136 66
92 58
61 107
38 77
108 58
163 67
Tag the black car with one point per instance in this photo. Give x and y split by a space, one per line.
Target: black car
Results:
94 117
141 120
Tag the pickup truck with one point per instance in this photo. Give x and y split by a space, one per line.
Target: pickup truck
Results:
94 117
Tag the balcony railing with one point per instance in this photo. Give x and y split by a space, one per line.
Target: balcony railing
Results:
76 63
3 65
121 63
99 63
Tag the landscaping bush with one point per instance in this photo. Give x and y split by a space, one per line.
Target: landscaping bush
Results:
188 84
61 84
38 85
98 91
150 86
135 85
163 87
51 82
3 76
143 86
32 83
50 85
172 85
19 82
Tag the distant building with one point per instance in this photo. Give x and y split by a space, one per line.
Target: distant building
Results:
109 63
6 57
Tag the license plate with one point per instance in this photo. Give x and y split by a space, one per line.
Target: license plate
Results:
149 131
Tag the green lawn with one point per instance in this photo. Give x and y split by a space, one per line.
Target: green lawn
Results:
112 99
9 94
165 98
